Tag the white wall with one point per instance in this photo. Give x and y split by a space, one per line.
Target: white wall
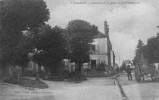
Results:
112 56
100 58
100 51
100 45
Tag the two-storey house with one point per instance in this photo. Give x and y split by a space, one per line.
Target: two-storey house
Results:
101 49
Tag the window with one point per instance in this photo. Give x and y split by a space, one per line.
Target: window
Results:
92 49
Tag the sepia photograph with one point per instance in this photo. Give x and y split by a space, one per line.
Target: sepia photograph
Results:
79 49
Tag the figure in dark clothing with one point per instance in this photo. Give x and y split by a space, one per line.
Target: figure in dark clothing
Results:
128 70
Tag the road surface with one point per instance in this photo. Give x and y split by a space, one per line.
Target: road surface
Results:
146 90
92 89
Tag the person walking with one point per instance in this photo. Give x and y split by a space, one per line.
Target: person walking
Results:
128 70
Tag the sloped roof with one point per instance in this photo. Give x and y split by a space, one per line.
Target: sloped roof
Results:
100 35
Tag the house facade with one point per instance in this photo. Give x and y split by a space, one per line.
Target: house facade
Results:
101 50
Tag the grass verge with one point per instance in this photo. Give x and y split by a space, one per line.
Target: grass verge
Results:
27 83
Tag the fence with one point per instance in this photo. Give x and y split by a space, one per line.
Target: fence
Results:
4 71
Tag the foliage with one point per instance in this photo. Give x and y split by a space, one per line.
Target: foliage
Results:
13 48
80 49
80 34
50 46
24 14
152 49
81 27
138 52
19 16
149 51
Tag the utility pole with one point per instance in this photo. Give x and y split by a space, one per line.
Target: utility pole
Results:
0 14
119 60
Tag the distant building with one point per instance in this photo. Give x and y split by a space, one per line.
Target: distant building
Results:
127 63
69 66
101 50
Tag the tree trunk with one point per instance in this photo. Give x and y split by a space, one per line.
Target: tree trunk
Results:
18 76
37 76
79 67
80 70
10 73
23 71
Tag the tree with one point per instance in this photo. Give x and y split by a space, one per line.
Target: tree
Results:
81 27
18 16
80 34
23 14
152 49
123 66
138 52
50 46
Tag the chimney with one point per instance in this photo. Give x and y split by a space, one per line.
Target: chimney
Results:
106 29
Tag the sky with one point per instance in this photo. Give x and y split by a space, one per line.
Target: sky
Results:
128 20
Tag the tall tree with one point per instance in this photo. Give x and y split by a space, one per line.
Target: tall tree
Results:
50 46
18 16
24 14
152 49
138 52
80 34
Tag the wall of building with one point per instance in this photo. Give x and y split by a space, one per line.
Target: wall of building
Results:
103 52
112 58
99 58
100 45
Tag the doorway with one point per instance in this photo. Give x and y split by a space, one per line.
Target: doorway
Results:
93 64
